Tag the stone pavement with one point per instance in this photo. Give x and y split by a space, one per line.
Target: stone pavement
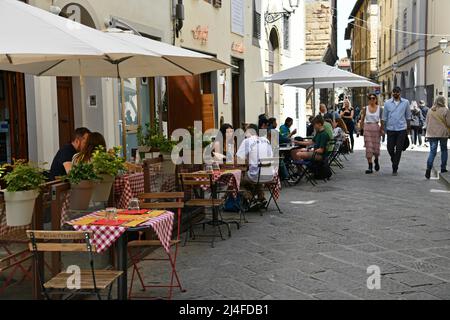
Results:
328 236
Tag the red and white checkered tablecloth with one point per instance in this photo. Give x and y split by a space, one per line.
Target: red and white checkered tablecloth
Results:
276 188
230 178
105 236
127 187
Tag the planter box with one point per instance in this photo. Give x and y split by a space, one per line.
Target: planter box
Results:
102 189
81 194
20 207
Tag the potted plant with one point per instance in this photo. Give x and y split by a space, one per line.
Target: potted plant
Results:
157 143
82 179
22 189
107 165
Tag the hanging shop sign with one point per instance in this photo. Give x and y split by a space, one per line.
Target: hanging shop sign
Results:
238 47
200 33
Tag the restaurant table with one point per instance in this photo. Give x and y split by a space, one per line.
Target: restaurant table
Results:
126 187
105 236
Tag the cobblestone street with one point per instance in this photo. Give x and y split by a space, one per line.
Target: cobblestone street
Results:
328 236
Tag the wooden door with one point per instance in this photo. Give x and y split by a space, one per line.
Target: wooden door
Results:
208 111
185 102
65 109
16 104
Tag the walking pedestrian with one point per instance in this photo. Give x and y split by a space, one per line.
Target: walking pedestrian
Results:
397 121
417 121
347 115
373 126
424 109
438 129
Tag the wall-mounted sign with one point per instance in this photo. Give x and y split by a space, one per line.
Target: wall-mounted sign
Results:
238 47
200 33
238 17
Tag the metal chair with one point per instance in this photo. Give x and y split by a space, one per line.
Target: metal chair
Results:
172 200
91 281
194 185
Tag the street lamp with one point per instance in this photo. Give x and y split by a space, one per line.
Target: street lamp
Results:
443 44
271 17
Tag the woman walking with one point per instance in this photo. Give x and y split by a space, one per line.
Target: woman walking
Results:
373 126
438 128
416 124
347 115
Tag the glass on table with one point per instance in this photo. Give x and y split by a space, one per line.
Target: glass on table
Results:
209 168
111 214
134 204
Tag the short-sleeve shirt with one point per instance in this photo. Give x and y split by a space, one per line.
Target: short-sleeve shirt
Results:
321 140
255 148
65 154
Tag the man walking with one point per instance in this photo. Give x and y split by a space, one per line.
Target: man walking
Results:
397 119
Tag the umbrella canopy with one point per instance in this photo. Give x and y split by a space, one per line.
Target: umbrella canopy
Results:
336 84
309 72
37 42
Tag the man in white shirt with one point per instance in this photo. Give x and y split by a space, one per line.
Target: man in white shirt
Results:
252 151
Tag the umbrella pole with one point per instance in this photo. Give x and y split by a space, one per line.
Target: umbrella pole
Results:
314 96
124 124
333 101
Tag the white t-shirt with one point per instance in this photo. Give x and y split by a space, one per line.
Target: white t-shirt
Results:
255 148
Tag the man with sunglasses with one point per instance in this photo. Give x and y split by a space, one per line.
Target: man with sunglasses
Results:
397 120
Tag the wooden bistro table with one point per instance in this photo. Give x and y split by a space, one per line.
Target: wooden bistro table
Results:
109 232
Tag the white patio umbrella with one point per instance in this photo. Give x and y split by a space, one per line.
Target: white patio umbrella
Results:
36 42
310 73
336 84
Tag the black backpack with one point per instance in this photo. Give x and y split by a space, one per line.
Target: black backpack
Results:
321 171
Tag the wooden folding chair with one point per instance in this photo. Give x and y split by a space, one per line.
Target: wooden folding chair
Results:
171 200
13 262
195 184
92 281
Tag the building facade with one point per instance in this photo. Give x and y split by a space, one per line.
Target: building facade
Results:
362 31
321 40
402 44
437 63
235 31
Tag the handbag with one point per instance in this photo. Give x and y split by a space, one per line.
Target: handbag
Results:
406 143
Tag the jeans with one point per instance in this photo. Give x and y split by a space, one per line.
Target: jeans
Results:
434 142
395 144
416 135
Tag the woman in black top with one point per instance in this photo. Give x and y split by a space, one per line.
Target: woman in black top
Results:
347 115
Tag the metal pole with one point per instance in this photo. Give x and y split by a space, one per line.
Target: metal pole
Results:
333 98
314 96
124 124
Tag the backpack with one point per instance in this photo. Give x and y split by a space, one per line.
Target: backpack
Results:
232 204
321 171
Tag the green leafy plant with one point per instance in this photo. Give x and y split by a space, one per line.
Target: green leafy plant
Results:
23 177
108 162
154 138
81 172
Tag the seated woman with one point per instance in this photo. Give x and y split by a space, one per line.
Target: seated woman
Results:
340 130
316 149
94 140
224 148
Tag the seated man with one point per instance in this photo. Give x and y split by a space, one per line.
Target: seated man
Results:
319 144
285 131
62 162
252 150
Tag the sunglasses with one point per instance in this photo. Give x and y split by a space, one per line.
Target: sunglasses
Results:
372 98
396 92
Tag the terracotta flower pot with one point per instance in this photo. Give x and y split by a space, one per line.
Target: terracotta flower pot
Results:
102 189
81 194
20 207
